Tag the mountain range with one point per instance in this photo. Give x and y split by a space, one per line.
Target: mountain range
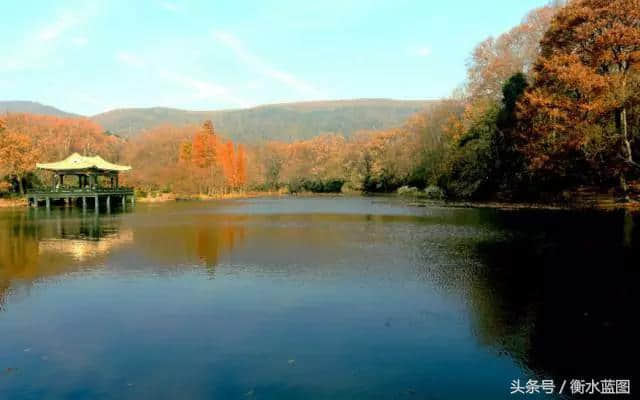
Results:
286 121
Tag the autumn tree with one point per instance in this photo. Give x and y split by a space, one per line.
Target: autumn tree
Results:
271 157
494 60
585 88
240 166
431 135
18 155
156 157
29 138
226 161
206 149
205 146
184 157
4 185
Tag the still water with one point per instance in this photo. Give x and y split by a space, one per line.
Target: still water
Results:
311 298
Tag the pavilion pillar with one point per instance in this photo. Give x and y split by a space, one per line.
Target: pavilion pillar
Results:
97 202
84 203
61 179
108 204
124 202
35 201
48 202
117 185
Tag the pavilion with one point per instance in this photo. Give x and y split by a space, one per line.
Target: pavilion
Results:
88 171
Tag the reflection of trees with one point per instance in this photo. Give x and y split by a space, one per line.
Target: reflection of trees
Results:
560 299
18 251
205 238
37 246
33 247
210 244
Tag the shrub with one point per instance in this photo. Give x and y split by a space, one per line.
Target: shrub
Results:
408 191
315 186
433 192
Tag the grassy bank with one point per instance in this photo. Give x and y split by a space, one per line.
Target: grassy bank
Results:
164 197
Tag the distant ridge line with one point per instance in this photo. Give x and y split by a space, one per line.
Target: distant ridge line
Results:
280 121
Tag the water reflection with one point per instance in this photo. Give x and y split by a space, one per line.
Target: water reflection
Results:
372 298
189 239
35 246
556 292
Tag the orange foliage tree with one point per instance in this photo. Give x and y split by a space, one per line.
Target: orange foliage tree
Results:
493 61
155 157
188 159
17 155
225 158
587 83
28 138
240 166
211 164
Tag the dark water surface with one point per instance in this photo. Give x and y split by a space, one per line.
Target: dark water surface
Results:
312 298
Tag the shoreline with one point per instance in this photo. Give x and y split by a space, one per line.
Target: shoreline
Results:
165 197
605 206
608 204
601 204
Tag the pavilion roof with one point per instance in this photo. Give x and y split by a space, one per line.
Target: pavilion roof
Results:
78 162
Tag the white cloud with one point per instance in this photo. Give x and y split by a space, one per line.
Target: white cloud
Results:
130 59
39 46
424 51
53 30
200 89
255 62
171 6
203 89
254 84
79 41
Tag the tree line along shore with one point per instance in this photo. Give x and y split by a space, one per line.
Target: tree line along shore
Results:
549 114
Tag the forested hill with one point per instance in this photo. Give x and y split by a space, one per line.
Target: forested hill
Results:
287 121
33 108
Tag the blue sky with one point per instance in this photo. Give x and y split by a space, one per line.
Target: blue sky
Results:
91 56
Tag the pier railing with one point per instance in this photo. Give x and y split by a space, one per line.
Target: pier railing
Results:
80 191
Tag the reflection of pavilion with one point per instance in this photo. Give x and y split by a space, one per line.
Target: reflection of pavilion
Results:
34 248
82 238
82 249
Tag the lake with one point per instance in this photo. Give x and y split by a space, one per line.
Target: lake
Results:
312 298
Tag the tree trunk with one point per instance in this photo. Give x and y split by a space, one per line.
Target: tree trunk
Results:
623 130
20 185
623 185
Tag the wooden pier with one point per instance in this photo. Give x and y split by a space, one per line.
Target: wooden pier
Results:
108 197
